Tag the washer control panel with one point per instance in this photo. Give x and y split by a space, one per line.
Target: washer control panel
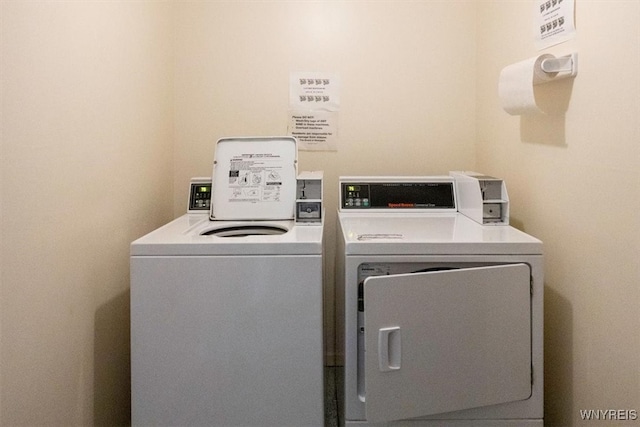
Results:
199 195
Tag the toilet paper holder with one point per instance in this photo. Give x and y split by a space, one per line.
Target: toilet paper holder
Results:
562 67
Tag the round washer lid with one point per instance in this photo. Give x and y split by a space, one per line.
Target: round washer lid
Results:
254 178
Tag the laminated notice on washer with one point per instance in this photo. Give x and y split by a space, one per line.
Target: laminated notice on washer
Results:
254 179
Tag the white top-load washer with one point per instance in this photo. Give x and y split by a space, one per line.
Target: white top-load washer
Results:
226 300
439 318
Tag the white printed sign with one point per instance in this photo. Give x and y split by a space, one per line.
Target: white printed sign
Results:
314 101
554 22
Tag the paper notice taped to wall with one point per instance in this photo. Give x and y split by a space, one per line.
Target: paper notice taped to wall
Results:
554 22
314 101
315 130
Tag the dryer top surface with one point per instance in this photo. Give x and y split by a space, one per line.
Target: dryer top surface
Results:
431 234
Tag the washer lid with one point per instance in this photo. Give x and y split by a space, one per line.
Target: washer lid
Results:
254 178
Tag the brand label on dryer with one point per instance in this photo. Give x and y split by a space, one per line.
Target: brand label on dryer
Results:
378 236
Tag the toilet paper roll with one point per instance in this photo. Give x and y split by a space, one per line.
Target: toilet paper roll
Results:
516 85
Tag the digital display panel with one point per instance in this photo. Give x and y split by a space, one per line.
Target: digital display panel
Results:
200 197
398 195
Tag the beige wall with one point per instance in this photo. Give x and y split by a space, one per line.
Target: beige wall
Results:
86 163
407 102
108 108
574 182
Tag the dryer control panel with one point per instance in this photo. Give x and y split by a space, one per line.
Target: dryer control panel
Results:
402 193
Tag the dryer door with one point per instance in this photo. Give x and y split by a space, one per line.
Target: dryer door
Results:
446 341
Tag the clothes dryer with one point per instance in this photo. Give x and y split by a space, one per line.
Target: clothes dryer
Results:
226 315
440 318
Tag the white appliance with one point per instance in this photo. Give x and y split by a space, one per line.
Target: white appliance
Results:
440 318
226 315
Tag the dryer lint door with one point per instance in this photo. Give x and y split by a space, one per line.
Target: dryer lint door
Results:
446 341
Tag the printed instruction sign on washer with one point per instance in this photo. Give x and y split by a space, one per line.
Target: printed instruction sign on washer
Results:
314 101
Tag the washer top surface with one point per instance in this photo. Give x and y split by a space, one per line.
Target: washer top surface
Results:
195 234
425 234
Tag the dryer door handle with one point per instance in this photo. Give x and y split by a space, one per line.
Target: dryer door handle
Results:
389 349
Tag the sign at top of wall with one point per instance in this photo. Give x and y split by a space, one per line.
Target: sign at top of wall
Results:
314 101
554 22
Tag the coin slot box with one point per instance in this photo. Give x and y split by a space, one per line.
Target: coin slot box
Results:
482 198
309 198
